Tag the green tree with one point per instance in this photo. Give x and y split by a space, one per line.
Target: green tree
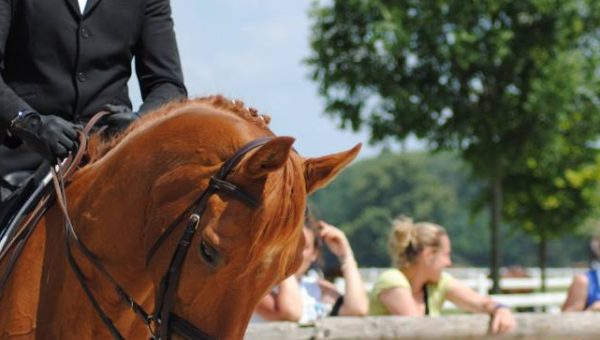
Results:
368 236
555 189
365 198
440 193
549 199
463 76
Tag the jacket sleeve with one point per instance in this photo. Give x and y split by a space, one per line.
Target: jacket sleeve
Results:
157 59
10 103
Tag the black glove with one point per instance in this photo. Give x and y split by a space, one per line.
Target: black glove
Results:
119 118
50 136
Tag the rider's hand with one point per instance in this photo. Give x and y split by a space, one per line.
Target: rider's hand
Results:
119 118
50 136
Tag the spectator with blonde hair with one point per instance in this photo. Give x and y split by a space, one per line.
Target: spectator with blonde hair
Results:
417 285
584 292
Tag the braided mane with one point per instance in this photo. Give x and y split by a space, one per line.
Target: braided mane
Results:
98 146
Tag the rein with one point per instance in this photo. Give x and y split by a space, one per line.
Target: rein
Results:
165 299
163 319
21 236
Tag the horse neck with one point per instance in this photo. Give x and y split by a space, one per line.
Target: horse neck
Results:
109 203
124 202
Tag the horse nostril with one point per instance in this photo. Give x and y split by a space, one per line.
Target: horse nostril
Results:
208 253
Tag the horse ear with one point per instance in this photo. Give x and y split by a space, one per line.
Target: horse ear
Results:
269 157
320 171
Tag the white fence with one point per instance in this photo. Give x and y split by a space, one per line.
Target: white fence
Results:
557 283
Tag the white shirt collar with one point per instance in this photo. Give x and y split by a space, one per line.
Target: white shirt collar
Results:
82 5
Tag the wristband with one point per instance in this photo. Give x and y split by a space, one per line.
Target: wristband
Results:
500 305
18 118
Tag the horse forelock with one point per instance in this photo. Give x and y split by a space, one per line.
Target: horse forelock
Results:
98 146
279 216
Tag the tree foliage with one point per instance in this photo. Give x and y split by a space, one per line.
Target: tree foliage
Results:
426 187
496 80
471 77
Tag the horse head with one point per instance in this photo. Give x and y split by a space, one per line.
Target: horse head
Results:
131 205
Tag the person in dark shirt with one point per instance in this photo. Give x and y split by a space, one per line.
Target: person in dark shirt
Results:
61 61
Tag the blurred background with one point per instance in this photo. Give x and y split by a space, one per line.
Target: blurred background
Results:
483 118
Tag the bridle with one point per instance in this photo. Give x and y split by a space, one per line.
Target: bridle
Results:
162 320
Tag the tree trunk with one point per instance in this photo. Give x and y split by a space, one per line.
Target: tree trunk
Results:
542 262
542 259
495 220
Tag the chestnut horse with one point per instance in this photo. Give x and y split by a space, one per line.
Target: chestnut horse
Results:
128 195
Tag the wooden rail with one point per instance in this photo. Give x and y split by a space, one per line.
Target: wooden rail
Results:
471 326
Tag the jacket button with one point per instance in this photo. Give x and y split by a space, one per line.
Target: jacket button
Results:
82 77
84 33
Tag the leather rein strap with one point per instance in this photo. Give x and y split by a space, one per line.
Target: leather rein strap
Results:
165 299
67 168
163 319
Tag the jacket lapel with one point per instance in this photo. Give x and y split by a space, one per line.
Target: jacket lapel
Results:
74 5
90 5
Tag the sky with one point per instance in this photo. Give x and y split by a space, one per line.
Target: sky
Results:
253 50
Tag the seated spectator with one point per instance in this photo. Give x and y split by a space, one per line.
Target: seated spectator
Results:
584 292
283 303
418 286
305 296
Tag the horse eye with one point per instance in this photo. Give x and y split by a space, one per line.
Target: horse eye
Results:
208 253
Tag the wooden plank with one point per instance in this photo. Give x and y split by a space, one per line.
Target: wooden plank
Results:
472 326
279 330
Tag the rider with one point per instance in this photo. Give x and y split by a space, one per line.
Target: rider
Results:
62 61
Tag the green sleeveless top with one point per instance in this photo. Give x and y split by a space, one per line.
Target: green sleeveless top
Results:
394 278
